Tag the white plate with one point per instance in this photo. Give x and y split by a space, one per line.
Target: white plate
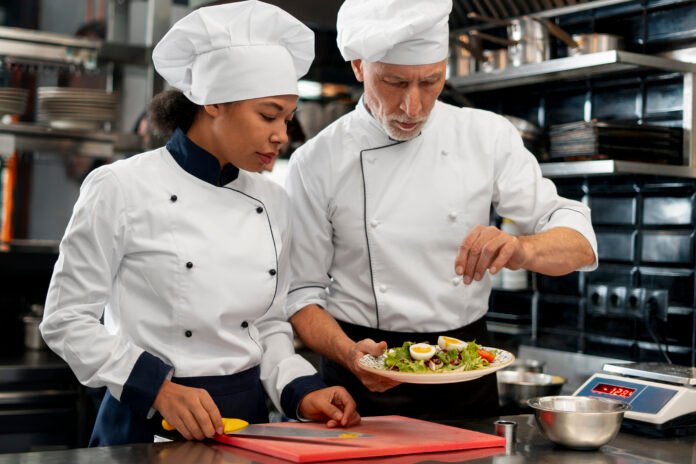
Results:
76 125
502 358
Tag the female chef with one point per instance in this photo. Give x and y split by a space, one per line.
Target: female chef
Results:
184 250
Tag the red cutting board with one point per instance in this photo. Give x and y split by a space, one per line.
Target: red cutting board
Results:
237 455
392 435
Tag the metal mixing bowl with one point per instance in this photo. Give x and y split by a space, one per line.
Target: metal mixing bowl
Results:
527 365
515 386
578 422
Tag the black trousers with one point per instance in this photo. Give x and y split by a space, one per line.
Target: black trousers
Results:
475 398
238 395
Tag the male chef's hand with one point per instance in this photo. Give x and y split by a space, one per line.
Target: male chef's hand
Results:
190 410
332 403
488 248
373 382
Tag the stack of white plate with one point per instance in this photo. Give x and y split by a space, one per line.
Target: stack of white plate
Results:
12 100
73 108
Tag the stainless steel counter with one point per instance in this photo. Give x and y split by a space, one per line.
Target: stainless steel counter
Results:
531 447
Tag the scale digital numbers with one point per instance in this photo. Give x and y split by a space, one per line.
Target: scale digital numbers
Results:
614 390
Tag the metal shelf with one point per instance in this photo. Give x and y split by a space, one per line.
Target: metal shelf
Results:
534 9
47 47
123 53
604 167
30 137
593 64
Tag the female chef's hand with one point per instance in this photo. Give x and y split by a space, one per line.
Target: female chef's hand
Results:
332 403
488 248
190 410
373 382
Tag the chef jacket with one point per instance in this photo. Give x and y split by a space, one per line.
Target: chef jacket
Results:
378 223
188 265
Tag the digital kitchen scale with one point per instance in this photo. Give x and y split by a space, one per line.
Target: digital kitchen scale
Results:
662 396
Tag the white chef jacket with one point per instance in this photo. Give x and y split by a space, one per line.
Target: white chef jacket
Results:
189 272
378 223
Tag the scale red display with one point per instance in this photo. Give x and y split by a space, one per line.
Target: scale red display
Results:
614 390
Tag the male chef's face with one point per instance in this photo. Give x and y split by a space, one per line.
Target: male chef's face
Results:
400 97
250 133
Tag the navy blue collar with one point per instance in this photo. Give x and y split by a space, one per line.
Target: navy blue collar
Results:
199 162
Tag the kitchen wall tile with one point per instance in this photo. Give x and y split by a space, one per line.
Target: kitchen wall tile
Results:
613 210
616 245
673 247
678 282
556 312
570 284
668 211
613 274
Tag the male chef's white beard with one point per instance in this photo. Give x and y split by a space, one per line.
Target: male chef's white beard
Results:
401 135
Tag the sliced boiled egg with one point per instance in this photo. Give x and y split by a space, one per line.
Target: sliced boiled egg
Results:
450 343
421 351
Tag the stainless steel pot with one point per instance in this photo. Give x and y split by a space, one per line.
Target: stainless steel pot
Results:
494 59
464 54
527 38
531 41
525 128
594 43
32 336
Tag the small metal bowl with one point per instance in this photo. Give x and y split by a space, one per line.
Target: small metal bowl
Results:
578 422
527 365
515 387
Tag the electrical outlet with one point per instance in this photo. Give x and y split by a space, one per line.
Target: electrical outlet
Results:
597 299
635 302
656 303
616 300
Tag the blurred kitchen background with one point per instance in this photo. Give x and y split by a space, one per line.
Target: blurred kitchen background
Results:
601 91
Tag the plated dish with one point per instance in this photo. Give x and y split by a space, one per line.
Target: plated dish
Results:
450 361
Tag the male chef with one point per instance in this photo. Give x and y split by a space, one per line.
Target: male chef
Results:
392 208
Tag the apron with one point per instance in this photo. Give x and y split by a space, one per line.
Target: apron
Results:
475 398
238 395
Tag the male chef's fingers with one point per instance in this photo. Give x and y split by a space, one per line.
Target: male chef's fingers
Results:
191 410
495 253
488 248
464 249
373 382
332 404
473 249
368 346
507 256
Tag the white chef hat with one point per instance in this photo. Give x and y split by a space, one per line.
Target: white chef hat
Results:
408 32
235 52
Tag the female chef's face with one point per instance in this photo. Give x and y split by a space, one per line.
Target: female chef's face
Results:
249 133
400 97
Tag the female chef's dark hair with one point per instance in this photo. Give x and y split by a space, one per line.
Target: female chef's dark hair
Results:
171 109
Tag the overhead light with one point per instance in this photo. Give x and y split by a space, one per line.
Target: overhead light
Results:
309 89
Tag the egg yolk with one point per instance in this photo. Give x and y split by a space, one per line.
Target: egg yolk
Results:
421 349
